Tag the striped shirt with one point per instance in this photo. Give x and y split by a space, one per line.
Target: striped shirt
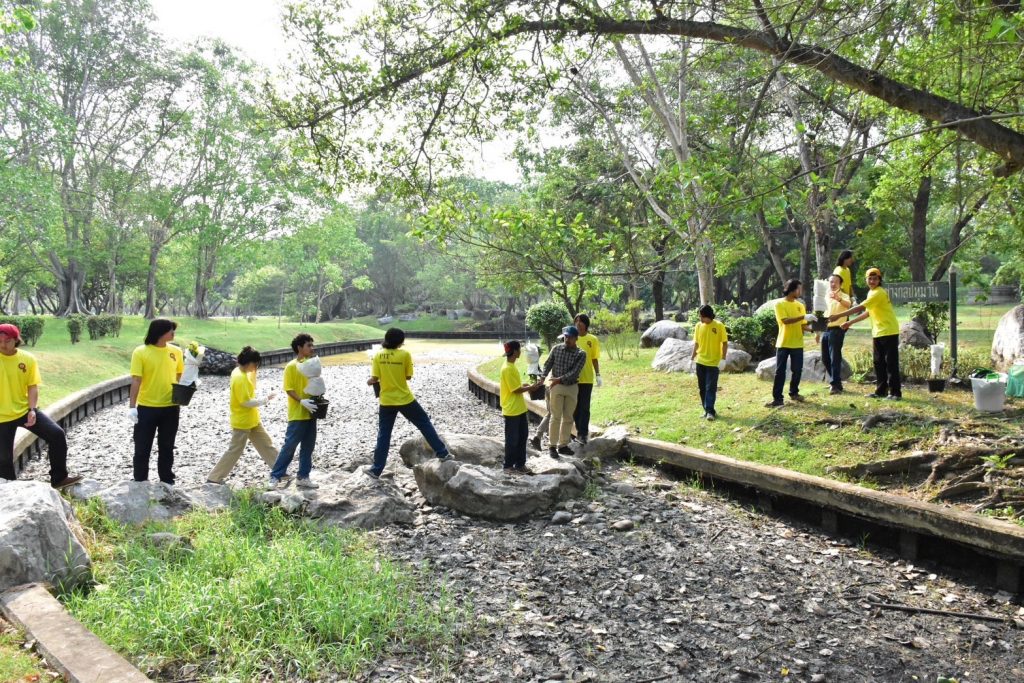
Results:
567 363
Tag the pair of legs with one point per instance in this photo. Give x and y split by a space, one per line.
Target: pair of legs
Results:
414 413
796 362
832 355
161 423
561 403
707 384
517 428
300 434
260 440
886 356
49 432
581 416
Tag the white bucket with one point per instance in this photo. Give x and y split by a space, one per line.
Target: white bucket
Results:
989 396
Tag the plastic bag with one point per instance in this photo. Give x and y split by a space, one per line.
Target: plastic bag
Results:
937 350
1015 381
821 290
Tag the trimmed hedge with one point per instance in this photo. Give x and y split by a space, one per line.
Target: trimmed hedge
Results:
98 326
75 322
30 326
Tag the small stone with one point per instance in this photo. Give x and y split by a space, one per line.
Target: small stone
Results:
561 517
623 525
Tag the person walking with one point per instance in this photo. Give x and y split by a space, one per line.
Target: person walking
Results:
885 336
565 363
589 377
19 400
301 431
791 315
245 418
711 344
835 334
392 370
844 264
156 365
513 410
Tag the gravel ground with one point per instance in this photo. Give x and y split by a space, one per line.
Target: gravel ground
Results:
701 588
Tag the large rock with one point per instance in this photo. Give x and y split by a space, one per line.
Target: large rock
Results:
353 499
210 496
135 502
914 334
488 451
1008 342
492 494
37 542
604 446
216 362
673 356
656 334
814 369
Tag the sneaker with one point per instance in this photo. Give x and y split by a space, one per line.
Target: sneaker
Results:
211 481
835 390
710 417
893 398
565 450
553 453
535 442
69 480
874 395
306 483
508 470
273 483
524 470
445 457
368 471
796 397
774 404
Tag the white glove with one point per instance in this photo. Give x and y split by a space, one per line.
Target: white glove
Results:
597 381
133 415
810 317
308 405
198 383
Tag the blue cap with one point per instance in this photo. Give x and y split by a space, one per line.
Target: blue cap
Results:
570 331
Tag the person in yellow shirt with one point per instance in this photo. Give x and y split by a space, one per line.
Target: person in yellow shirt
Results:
392 370
589 378
835 334
791 315
156 365
19 398
711 344
301 431
885 336
844 264
245 418
513 409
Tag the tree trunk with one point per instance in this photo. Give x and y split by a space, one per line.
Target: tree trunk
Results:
658 292
918 225
150 310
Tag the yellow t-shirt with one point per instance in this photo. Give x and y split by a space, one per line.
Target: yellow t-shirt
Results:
243 389
159 369
296 381
846 286
512 404
709 340
592 347
392 367
17 373
883 316
791 336
838 306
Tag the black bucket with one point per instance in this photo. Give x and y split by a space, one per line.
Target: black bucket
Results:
936 385
321 408
820 323
537 394
181 394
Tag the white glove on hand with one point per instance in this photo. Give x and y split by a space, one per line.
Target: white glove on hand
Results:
198 383
133 415
597 381
810 317
308 405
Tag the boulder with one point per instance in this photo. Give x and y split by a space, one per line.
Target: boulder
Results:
1008 342
488 451
135 502
605 446
656 334
673 356
216 362
814 369
353 499
210 496
736 360
37 541
85 489
385 320
913 333
491 494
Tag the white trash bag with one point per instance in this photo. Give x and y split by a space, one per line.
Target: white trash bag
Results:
937 351
193 356
311 369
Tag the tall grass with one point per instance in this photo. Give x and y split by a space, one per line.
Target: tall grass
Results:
261 595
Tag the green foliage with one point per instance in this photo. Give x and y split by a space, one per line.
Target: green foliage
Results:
547 318
103 325
75 323
998 462
934 315
757 333
260 595
30 326
616 329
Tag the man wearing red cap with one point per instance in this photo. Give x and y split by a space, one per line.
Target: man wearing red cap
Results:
19 396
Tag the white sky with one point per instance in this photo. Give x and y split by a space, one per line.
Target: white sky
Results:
254 27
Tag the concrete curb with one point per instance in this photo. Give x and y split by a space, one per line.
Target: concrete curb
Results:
67 646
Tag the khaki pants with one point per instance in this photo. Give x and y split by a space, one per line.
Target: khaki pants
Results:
561 404
260 440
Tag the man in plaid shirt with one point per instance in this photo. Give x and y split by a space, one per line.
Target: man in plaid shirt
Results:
565 362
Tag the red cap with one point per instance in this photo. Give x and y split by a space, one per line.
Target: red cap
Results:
11 331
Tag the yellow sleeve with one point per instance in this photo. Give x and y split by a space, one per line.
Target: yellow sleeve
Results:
34 379
408 364
136 367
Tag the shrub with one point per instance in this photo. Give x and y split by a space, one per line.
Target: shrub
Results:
934 315
92 323
74 323
547 319
103 325
30 326
756 334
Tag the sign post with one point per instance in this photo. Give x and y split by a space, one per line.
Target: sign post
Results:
952 316
907 292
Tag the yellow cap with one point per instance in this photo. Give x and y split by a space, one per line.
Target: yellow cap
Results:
872 271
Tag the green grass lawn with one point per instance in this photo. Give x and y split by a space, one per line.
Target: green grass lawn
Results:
68 367
16 664
424 323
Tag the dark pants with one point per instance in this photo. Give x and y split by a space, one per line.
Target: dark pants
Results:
796 361
47 430
581 416
300 434
414 413
832 355
887 365
163 424
517 429
707 384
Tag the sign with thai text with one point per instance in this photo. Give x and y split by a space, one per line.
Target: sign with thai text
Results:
907 292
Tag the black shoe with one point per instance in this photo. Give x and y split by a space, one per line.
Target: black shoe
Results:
875 395
553 453
69 480
368 471
774 404
894 398
535 442
710 417
565 450
796 397
835 390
